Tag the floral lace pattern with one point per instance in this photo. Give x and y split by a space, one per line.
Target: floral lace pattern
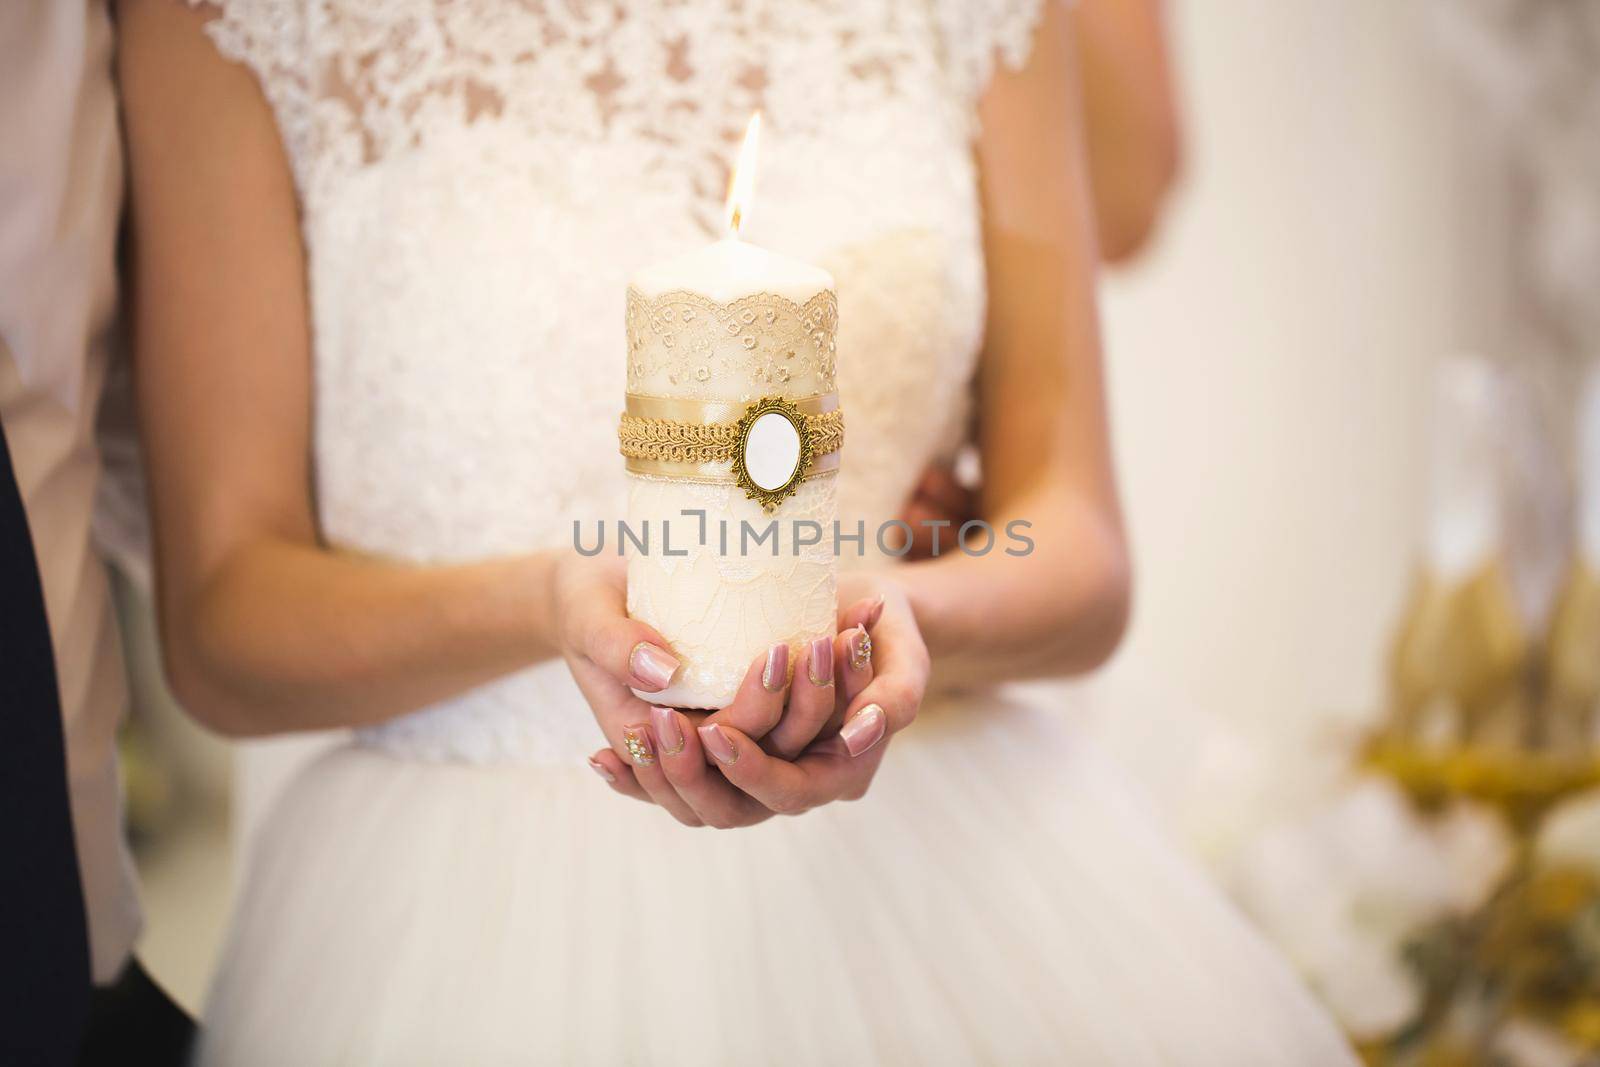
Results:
478 181
680 344
710 600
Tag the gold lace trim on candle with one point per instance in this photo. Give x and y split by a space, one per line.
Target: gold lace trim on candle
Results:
705 440
693 346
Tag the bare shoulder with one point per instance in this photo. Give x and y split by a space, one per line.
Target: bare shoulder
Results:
167 65
172 29
200 131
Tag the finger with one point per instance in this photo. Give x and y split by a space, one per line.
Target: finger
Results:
618 775
713 799
644 753
864 728
612 704
853 774
864 612
628 650
899 676
885 705
758 705
775 783
811 700
822 775
854 654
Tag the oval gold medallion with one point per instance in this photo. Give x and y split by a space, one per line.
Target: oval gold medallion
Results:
772 451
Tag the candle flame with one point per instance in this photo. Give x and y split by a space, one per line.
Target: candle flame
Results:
742 182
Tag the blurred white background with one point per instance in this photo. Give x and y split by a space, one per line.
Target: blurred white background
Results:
1340 227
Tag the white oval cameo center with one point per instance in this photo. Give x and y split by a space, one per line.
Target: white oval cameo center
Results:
772 451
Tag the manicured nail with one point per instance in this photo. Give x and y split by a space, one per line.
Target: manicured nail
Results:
860 649
719 744
600 769
666 724
652 667
875 612
775 675
864 729
636 738
821 666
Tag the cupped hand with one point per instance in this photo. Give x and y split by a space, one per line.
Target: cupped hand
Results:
610 655
869 694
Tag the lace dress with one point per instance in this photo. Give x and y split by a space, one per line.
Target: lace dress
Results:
477 181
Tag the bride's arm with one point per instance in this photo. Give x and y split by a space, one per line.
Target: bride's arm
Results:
1042 420
263 628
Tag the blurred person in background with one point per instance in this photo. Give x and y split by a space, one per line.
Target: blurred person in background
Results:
61 673
1133 145
1131 123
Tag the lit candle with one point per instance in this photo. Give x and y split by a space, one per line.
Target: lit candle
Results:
731 438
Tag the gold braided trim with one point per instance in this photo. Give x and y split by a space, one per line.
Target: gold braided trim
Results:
669 441
827 430
675 442
704 441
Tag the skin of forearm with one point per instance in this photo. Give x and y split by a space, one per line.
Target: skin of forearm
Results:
1058 610
285 636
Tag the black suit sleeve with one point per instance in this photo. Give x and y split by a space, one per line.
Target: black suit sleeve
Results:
44 968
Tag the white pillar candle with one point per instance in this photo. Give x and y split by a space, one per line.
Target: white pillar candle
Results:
726 574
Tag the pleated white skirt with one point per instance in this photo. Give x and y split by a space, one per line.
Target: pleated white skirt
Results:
1001 895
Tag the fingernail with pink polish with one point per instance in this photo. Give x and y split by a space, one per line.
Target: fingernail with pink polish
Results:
600 769
875 612
636 739
652 667
775 675
719 744
665 721
864 729
821 666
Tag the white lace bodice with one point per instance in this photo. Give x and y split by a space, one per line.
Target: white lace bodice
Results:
478 179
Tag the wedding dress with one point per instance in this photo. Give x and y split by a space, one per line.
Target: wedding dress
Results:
477 181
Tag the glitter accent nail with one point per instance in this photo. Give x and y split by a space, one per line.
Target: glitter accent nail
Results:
637 741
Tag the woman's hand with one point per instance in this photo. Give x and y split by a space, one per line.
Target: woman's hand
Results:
888 682
610 655
938 508
788 773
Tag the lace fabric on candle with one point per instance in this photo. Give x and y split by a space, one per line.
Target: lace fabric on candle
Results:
477 183
753 588
686 346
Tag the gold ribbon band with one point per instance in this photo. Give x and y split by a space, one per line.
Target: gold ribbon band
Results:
710 412
699 439
717 473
